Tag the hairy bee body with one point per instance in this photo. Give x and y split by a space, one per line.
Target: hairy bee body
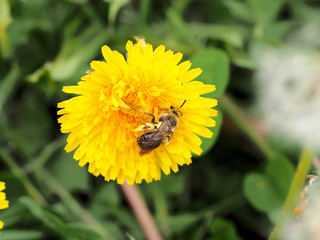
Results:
162 132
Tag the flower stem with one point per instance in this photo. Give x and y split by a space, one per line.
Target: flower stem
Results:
141 211
316 164
297 183
19 174
241 120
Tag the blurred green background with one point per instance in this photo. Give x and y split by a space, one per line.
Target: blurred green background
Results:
234 191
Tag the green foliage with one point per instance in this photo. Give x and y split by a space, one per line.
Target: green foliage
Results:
233 191
215 66
239 10
181 222
63 166
267 191
208 143
223 229
20 235
54 222
7 84
5 20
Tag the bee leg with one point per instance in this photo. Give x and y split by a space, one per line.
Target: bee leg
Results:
147 127
153 120
167 140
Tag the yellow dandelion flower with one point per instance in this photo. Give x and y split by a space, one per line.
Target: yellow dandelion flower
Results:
3 202
137 116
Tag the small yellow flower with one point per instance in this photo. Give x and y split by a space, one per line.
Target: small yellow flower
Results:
119 97
3 202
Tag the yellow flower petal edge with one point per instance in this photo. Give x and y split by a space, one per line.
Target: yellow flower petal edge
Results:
3 202
112 102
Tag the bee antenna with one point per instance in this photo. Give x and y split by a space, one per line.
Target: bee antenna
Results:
150 114
182 104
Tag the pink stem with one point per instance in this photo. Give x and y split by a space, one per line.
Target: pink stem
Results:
316 164
141 211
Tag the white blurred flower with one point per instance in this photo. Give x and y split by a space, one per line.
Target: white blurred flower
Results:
307 226
307 35
288 93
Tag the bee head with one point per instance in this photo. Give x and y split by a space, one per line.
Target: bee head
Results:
176 110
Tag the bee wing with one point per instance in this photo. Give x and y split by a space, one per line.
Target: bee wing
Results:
154 142
144 151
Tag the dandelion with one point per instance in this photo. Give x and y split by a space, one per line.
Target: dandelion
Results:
121 101
3 202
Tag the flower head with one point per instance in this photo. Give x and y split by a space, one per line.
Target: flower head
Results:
111 120
3 202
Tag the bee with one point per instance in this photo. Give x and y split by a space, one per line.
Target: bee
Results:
161 131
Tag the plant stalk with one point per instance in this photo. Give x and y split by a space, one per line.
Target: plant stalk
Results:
141 211
236 114
297 184
20 174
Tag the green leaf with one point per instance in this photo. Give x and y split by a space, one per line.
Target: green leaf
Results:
76 231
120 216
130 237
28 16
267 191
231 34
181 222
20 235
178 26
170 185
73 59
69 174
33 121
13 214
78 1
280 172
13 135
108 195
42 78
81 231
5 20
8 84
45 215
240 58
115 6
239 10
222 229
215 66
261 192
208 143
265 11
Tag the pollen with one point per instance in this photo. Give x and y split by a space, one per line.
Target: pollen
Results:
121 94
